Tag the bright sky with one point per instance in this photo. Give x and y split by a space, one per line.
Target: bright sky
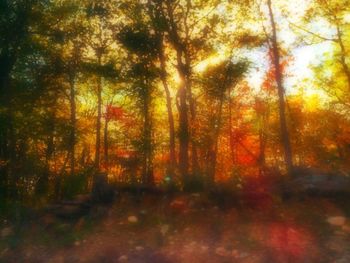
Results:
303 55
299 69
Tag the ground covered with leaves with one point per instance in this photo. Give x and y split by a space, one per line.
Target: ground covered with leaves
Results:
187 228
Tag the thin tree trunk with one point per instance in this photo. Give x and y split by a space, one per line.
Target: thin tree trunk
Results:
232 148
183 134
4 137
73 120
183 120
195 163
8 57
172 157
7 140
155 14
262 144
43 182
343 56
98 121
182 92
147 166
216 139
192 103
281 95
105 145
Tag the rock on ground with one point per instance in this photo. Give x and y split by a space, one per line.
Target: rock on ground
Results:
133 219
5 232
336 220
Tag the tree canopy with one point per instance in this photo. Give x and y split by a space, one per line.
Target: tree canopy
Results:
179 92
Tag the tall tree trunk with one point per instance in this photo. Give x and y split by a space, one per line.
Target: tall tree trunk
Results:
8 57
172 157
105 139
183 133
105 145
232 141
155 14
217 129
73 120
147 165
43 182
343 55
195 163
181 101
192 102
281 94
98 120
262 143
7 133
183 119
5 137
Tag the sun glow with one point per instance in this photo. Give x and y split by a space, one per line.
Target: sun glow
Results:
212 60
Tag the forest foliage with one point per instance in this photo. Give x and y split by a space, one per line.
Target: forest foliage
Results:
159 92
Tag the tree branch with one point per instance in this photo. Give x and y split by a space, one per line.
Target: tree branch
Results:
311 33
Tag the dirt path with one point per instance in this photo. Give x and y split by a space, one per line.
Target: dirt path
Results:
182 230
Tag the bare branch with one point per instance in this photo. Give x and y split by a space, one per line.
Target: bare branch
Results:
311 33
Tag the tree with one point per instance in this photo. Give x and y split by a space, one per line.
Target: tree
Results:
218 80
158 26
15 21
99 15
276 60
333 13
186 30
142 46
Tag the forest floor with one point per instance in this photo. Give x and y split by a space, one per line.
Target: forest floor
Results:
188 228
